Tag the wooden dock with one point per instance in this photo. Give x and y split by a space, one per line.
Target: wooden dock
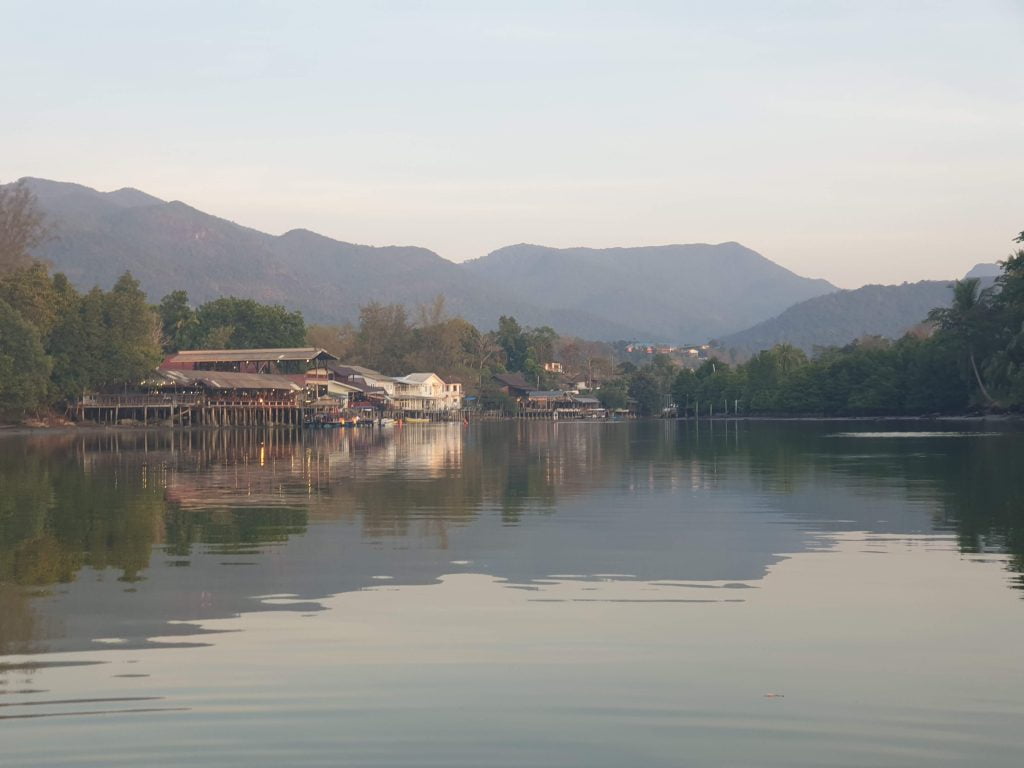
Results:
193 411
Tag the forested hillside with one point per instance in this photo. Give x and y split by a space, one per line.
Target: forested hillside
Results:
841 317
675 294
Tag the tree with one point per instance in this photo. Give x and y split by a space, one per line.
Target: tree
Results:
788 358
339 340
104 340
24 366
383 338
613 395
132 333
177 321
246 324
22 226
644 389
31 293
513 342
964 322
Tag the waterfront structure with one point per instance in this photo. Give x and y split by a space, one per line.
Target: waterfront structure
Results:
241 387
257 361
513 385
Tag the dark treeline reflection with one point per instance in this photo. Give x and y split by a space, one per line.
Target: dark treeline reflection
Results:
106 500
116 501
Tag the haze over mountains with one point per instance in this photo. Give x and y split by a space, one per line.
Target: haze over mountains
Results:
838 318
669 293
672 293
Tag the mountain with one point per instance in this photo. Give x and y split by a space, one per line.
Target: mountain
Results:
669 293
985 271
674 292
97 236
841 317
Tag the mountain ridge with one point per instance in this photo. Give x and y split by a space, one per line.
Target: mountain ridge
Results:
839 318
659 293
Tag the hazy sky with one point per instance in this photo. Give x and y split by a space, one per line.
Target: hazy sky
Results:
857 141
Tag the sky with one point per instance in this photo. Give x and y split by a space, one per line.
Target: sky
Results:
858 141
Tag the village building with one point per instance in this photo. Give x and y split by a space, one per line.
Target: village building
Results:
454 395
242 387
513 385
287 360
427 393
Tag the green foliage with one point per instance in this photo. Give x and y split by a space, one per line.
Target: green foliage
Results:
643 387
232 323
22 226
24 366
872 377
383 337
526 349
31 293
177 321
613 395
104 339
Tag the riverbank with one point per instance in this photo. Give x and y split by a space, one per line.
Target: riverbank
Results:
69 427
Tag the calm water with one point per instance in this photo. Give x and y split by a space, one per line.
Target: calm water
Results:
514 595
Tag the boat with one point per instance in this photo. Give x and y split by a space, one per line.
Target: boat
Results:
324 421
416 420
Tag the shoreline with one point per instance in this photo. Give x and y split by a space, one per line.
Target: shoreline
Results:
23 430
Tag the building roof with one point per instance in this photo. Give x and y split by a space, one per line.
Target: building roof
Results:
587 400
418 378
546 394
227 380
276 355
319 378
513 380
358 370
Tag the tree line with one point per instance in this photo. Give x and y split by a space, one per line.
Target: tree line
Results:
57 342
970 356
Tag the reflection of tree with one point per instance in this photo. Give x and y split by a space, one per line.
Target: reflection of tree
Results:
55 518
106 500
18 628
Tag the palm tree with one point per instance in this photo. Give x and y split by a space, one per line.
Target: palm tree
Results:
963 319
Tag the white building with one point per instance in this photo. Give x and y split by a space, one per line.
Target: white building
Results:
426 392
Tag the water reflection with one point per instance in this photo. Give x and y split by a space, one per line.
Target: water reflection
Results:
134 536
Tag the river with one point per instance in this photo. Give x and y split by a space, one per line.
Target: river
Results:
514 594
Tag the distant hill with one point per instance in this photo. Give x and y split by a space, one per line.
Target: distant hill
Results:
674 292
983 271
669 293
841 317
170 245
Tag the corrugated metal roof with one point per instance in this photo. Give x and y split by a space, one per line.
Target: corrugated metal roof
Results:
232 380
304 354
358 370
513 380
227 380
551 394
